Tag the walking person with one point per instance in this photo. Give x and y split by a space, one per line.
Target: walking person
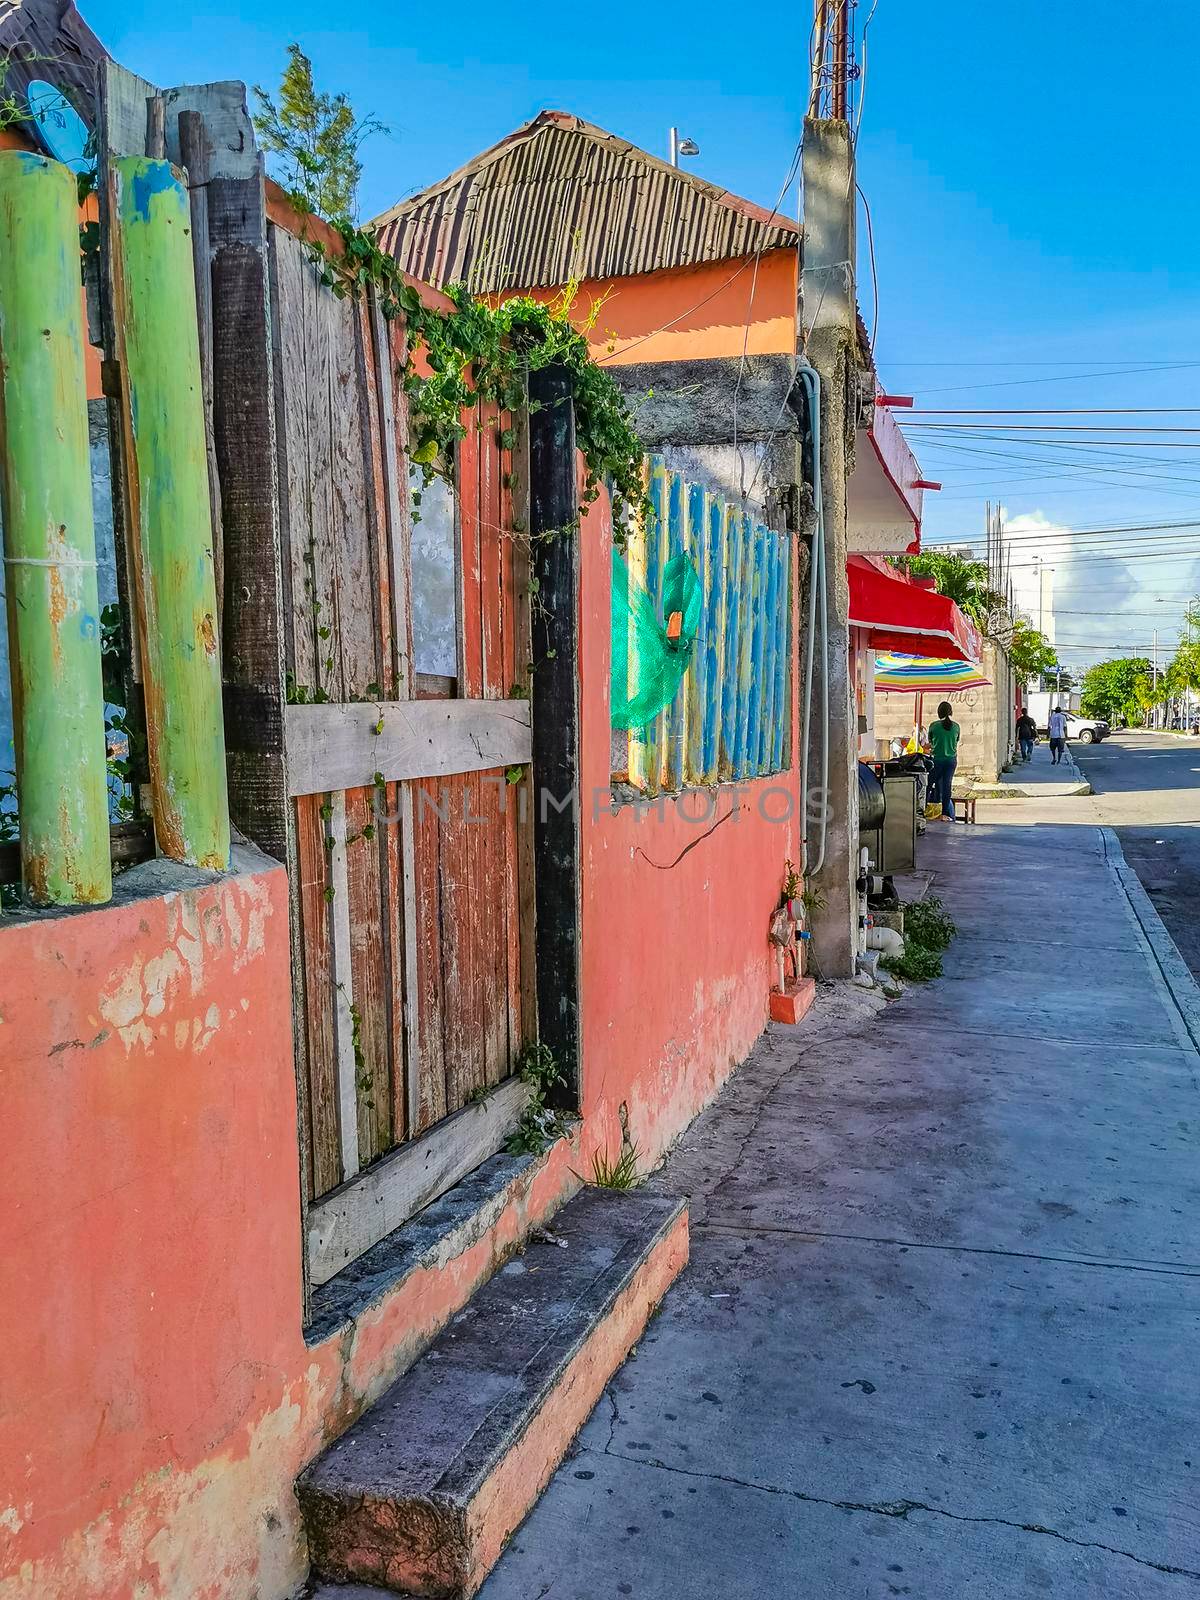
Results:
943 746
1026 734
1058 736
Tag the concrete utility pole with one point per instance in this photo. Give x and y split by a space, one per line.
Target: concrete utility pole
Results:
828 338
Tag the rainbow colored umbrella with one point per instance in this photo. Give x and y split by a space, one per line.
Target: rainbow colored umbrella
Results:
924 674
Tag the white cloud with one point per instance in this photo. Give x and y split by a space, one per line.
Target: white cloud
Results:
1102 607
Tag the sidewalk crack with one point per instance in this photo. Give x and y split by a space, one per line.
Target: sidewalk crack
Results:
900 1510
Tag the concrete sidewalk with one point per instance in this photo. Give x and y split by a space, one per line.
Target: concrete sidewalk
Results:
1037 779
938 1333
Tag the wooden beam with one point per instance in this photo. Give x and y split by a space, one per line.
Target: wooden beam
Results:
352 1218
344 1017
554 531
344 746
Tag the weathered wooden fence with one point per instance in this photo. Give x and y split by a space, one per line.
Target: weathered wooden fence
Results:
731 716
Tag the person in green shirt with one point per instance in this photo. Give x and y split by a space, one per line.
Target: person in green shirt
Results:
943 746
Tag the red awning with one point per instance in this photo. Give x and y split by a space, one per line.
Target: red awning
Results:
903 617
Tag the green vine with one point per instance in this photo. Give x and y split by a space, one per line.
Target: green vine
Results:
479 354
540 1124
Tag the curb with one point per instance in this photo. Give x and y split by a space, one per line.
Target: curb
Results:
1172 969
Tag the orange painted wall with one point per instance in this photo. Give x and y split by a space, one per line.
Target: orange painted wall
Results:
707 308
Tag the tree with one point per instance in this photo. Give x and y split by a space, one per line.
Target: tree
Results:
1118 690
964 582
1030 652
316 138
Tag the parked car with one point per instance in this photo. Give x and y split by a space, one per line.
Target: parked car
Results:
1088 730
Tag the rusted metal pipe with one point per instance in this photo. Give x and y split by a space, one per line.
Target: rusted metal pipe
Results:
49 539
169 516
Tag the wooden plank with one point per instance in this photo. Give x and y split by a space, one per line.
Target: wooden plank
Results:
343 746
358 1215
300 500
460 888
493 897
411 977
343 984
431 1055
391 348
378 509
554 505
470 635
314 993
523 1007
195 148
492 546
398 933
371 983
356 626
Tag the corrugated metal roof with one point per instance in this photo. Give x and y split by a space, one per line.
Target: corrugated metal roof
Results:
561 199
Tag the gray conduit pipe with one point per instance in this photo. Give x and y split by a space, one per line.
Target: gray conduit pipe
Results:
816 583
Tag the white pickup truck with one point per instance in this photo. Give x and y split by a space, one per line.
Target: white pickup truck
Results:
1088 730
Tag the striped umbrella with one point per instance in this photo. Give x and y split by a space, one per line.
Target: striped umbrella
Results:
924 674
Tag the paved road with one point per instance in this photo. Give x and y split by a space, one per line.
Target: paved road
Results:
937 1337
1147 787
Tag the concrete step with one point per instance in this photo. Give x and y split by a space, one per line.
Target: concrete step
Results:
420 1495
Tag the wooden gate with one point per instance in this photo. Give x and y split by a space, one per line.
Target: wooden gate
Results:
404 778
379 716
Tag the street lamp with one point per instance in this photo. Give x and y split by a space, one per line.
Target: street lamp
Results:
682 147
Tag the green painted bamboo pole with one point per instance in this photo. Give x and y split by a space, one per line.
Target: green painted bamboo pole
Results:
169 505
50 540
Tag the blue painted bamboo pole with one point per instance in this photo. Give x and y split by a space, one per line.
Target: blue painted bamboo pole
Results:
730 704
656 536
676 711
715 608
766 731
754 692
745 643
697 683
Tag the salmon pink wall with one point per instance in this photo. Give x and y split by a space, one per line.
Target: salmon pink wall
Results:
707 309
158 1399
676 964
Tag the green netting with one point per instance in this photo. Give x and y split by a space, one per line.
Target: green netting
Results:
647 667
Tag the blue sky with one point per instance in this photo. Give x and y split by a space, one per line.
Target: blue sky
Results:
1031 208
